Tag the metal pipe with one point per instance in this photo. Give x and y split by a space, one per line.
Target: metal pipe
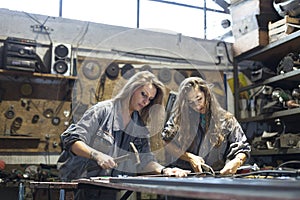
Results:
138 14
60 8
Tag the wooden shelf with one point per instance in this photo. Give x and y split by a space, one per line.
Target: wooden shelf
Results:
18 142
36 74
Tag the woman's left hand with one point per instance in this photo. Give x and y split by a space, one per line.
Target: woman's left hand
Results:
231 167
176 171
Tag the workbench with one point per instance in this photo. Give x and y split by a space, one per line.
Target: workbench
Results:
257 185
204 187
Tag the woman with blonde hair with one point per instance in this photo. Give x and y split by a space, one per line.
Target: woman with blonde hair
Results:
200 131
107 130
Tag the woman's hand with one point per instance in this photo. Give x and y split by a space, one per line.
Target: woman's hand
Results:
231 167
103 160
81 149
175 172
196 162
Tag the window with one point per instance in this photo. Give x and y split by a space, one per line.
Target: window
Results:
174 16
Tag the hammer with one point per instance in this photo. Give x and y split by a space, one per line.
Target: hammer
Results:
128 156
135 155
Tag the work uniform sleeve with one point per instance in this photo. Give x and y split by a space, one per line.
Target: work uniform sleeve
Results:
85 128
237 139
170 130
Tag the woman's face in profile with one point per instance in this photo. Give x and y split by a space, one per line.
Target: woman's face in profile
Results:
196 100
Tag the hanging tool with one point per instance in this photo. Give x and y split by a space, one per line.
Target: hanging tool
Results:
100 88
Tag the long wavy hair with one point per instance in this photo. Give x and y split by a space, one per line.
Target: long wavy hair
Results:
136 81
214 115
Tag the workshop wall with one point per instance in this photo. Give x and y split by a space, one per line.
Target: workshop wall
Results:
44 105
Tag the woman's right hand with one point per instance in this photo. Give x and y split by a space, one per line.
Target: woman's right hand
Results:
103 160
196 162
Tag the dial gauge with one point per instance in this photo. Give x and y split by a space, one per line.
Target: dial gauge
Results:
91 70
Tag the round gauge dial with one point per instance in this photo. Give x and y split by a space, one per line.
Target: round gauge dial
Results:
91 70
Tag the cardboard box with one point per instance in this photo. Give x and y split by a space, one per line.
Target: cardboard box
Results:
250 41
251 7
250 19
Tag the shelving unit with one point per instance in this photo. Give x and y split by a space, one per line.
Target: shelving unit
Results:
270 56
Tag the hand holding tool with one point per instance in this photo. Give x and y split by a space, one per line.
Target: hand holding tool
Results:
133 156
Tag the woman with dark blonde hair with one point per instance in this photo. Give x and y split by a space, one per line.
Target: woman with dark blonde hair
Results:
110 129
200 131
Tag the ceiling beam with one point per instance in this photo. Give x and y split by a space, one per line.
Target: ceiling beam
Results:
190 6
223 5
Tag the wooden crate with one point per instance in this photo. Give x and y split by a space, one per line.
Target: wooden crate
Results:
282 28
